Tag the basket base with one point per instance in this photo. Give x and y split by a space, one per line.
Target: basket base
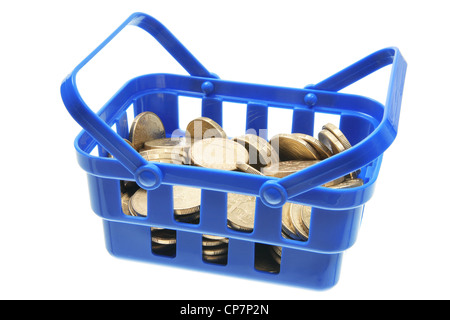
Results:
298 268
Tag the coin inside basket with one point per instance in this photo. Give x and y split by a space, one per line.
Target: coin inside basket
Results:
283 155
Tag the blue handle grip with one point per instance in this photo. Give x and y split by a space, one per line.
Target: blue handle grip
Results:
274 192
368 149
145 173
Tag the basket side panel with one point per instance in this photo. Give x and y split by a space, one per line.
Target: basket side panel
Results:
334 230
105 197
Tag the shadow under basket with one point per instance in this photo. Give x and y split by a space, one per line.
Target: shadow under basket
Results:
336 214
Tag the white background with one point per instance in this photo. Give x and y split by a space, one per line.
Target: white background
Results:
51 243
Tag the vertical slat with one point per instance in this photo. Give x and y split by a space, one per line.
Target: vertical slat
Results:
122 126
257 119
303 121
212 108
160 206
355 128
189 248
213 211
241 256
267 222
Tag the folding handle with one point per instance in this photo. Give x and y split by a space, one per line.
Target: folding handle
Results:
148 176
276 193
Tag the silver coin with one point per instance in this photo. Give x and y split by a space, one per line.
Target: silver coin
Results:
334 182
292 147
212 243
237 227
321 149
192 218
165 151
286 223
125 200
241 211
349 183
247 168
285 168
217 259
213 237
306 217
186 200
204 128
330 140
173 143
261 152
265 259
164 156
145 127
218 153
215 251
275 252
163 240
296 218
338 134
138 203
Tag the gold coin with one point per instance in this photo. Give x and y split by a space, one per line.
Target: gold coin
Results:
163 153
247 168
275 252
152 156
176 152
215 251
171 161
278 250
321 149
285 168
212 243
286 222
167 143
213 237
296 218
330 140
204 128
138 203
241 212
334 182
218 153
291 147
338 134
266 259
306 217
191 218
217 259
349 183
125 200
186 200
261 152
164 240
145 127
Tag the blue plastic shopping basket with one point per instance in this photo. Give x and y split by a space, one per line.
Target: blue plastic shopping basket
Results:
370 126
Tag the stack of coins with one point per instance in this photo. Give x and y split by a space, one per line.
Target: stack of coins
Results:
267 258
164 241
207 145
215 249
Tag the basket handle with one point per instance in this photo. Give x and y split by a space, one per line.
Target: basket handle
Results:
275 193
148 176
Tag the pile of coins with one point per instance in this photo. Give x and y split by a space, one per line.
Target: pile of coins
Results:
206 144
215 249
